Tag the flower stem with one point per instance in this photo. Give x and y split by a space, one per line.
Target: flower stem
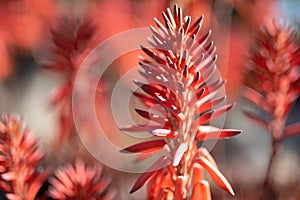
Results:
268 192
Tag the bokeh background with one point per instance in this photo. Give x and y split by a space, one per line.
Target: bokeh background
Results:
25 85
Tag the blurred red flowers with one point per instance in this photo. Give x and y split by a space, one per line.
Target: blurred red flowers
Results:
20 156
80 182
71 42
180 102
273 78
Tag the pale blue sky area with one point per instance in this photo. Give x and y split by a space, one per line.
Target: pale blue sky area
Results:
290 10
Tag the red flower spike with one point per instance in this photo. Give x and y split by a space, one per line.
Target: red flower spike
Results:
71 40
180 70
273 79
80 182
19 159
275 70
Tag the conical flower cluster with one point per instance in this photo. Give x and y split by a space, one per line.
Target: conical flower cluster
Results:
80 182
179 69
20 176
273 78
71 39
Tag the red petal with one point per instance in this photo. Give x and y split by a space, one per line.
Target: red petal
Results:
140 128
153 55
201 191
101 185
210 115
207 70
256 119
216 175
204 118
162 161
196 79
201 41
81 171
151 116
163 194
55 66
187 23
11 196
178 188
59 93
196 67
36 185
195 26
168 23
150 102
222 110
198 173
292 129
214 86
145 146
293 94
256 98
211 104
156 33
185 72
9 176
200 92
154 90
215 133
204 153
